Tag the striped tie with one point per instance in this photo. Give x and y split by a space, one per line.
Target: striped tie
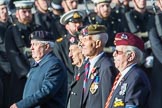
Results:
112 90
86 67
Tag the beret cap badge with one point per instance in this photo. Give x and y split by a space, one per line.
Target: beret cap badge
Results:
93 29
124 36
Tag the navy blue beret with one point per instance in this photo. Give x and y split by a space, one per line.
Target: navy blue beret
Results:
42 36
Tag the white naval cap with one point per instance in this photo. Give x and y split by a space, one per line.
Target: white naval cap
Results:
74 15
23 4
100 1
3 2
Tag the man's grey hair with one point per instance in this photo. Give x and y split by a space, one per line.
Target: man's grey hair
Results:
51 44
103 37
139 54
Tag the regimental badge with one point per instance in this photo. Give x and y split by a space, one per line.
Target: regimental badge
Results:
118 103
93 88
123 89
72 39
124 36
94 85
76 15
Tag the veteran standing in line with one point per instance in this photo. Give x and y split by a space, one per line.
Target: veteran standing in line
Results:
18 48
72 21
76 87
131 88
46 86
99 70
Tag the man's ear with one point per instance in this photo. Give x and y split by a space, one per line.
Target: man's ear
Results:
36 3
47 46
131 56
95 9
17 14
98 43
67 26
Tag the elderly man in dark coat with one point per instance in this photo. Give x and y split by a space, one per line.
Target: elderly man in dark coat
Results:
46 86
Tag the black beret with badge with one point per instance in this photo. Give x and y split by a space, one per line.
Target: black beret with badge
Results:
93 29
75 15
23 4
42 36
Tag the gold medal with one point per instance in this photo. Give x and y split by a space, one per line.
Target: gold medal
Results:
93 88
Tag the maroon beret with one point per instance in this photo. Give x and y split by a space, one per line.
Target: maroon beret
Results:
129 39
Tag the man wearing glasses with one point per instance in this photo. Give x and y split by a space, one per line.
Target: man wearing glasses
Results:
132 88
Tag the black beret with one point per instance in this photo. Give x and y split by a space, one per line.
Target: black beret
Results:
42 36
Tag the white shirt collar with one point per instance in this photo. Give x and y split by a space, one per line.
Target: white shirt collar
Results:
93 62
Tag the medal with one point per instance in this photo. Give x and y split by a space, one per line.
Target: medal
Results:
123 89
94 85
118 103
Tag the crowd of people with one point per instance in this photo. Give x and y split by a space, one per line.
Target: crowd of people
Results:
54 55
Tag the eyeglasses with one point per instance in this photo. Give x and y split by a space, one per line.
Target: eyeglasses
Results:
118 52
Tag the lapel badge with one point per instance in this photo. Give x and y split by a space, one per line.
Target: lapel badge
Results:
123 89
118 103
93 88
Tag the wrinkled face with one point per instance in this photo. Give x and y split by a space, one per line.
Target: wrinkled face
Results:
103 10
3 13
72 27
38 49
120 57
140 3
75 54
88 46
42 4
24 15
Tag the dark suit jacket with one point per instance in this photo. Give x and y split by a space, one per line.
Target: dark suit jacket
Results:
133 91
61 50
46 86
155 75
99 84
76 89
